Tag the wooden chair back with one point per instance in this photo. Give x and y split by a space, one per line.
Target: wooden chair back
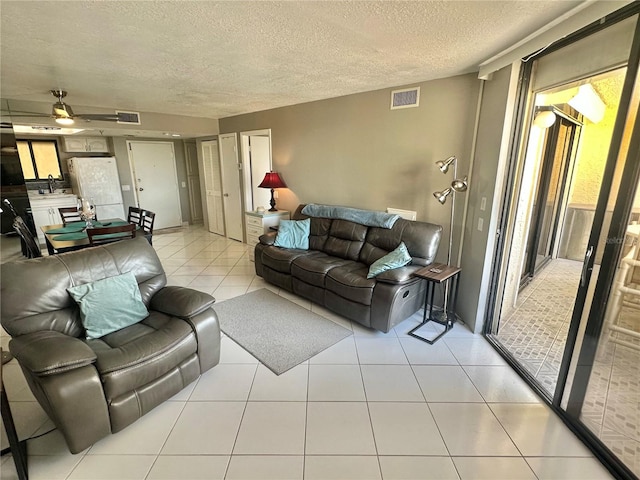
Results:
69 214
147 220
135 215
8 204
98 235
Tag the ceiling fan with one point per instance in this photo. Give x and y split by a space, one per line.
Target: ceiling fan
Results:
63 114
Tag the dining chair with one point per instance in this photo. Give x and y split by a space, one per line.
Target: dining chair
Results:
147 219
69 214
31 244
135 215
102 235
9 205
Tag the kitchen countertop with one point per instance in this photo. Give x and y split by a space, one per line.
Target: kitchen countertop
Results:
49 196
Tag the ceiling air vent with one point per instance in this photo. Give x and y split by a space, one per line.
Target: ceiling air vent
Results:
405 98
129 118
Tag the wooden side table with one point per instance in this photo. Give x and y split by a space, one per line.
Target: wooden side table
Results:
17 447
434 274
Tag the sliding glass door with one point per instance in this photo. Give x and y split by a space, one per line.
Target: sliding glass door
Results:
567 309
550 187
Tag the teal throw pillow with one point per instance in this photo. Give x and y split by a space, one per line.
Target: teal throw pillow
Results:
293 234
397 258
109 304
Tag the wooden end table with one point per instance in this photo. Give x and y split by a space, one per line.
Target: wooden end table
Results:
434 274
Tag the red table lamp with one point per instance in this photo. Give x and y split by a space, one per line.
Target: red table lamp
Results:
272 180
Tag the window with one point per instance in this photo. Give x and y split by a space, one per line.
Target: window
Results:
39 159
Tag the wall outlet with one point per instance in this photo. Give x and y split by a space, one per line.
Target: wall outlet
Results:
184 184
483 203
126 188
480 223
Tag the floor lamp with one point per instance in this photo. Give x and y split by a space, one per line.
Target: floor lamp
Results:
458 185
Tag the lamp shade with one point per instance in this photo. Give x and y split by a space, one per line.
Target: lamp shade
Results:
443 166
442 196
272 180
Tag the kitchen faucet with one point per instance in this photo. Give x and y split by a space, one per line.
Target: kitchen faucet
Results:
52 184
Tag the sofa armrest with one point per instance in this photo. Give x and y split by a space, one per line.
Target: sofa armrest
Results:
398 276
49 352
181 301
268 238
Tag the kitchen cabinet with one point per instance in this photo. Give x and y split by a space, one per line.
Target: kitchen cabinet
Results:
85 144
44 209
259 223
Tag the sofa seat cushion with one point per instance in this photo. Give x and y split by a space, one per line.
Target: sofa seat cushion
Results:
280 259
312 269
136 355
350 281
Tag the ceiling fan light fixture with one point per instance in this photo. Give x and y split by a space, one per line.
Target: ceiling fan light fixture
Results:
61 109
64 120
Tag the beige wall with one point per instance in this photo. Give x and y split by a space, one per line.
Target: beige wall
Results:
355 151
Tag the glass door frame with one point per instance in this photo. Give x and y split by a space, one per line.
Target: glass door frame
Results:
621 213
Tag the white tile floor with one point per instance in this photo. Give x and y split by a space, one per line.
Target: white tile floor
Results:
373 406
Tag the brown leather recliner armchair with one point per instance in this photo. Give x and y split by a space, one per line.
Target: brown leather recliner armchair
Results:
93 387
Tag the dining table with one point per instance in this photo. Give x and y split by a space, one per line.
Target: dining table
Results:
61 238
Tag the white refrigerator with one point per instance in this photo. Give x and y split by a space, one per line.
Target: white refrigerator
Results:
96 179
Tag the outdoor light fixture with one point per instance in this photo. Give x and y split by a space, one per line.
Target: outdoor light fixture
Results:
545 117
588 103
272 180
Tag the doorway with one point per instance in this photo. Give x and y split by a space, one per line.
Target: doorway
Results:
553 179
256 162
153 168
562 314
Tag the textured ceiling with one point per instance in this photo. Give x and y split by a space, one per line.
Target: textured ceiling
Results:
216 59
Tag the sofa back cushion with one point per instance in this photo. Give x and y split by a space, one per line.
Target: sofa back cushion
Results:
319 230
421 239
345 239
34 292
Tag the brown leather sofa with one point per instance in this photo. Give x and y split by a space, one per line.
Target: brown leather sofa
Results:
93 387
333 272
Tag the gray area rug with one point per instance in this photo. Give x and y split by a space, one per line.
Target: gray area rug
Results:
276 331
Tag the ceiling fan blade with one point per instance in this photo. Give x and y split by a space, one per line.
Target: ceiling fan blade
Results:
29 115
103 117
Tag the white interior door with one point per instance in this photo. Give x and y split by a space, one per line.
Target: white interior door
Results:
153 165
260 150
231 193
213 186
